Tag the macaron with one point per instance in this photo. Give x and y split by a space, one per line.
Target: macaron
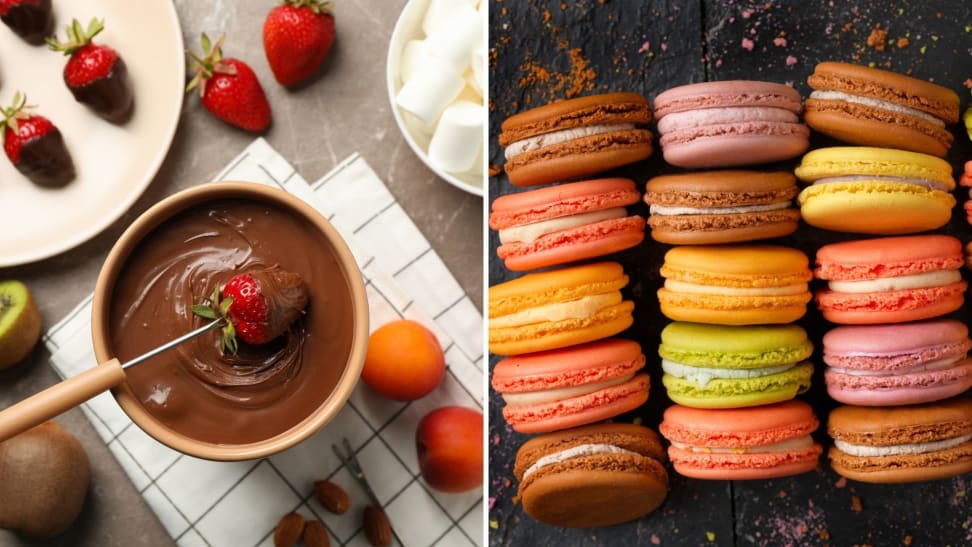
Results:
576 138
558 308
890 279
715 366
761 442
566 223
897 364
735 285
596 475
904 443
569 387
711 207
730 123
873 107
866 190
965 180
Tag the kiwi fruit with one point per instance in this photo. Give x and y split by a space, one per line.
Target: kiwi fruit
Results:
20 322
44 475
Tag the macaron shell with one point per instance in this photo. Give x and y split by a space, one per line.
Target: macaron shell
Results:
566 246
573 366
727 93
895 256
737 266
563 285
862 207
737 393
603 109
732 310
869 126
745 144
561 200
559 334
880 426
577 411
721 188
903 469
734 347
723 228
906 389
579 157
890 306
740 427
711 466
635 438
862 160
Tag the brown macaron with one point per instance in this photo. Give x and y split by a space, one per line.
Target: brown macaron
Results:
596 475
903 443
868 106
710 207
575 138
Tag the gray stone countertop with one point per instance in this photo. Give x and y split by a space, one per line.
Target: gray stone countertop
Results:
345 110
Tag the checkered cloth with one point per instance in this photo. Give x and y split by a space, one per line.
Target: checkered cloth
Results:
201 502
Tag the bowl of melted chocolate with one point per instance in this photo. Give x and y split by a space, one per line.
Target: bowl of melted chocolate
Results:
247 399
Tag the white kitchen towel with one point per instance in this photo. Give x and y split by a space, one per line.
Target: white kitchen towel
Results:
238 504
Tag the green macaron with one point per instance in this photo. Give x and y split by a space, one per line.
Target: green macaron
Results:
717 366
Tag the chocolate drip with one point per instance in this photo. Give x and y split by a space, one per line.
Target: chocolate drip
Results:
110 97
45 160
32 22
286 297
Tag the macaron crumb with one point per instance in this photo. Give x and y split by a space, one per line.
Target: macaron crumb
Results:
856 503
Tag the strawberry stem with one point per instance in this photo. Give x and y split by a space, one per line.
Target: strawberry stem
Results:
77 36
316 6
17 111
210 63
215 308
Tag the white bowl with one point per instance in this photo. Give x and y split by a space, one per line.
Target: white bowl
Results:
408 27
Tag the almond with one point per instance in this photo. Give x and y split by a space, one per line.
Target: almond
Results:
288 530
376 526
315 534
332 497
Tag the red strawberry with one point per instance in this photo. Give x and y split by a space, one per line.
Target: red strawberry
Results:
35 146
30 19
229 89
95 74
259 305
296 37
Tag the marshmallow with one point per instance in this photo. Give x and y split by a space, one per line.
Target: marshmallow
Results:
477 63
456 38
433 85
458 139
439 10
414 54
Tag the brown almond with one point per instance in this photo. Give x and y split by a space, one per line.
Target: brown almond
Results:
288 530
376 526
315 534
332 497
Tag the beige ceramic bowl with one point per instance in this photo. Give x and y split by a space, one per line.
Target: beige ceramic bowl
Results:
162 211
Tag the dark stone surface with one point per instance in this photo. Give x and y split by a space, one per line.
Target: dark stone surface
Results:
542 51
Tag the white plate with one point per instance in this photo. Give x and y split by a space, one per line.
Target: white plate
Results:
114 163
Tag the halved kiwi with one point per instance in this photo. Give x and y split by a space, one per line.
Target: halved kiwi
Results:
20 322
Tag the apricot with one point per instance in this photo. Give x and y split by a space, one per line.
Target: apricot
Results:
449 441
404 361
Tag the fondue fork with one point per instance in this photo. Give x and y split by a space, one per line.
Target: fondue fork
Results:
352 464
70 393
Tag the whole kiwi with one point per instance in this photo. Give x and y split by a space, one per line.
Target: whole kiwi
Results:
44 474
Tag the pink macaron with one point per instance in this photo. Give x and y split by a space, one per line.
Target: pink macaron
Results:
559 389
886 365
965 180
566 223
730 123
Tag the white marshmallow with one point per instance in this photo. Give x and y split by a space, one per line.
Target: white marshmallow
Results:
458 139
477 64
456 38
413 54
433 85
439 10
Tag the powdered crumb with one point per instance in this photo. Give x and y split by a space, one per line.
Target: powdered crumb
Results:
494 170
748 44
791 60
856 503
841 482
903 42
779 41
877 37
907 539
655 540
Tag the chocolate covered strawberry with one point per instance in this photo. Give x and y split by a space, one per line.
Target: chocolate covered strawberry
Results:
297 36
95 73
259 306
229 89
30 19
35 146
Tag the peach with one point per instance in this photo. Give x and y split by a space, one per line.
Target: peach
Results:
449 441
404 361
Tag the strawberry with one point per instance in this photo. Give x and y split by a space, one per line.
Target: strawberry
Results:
297 35
259 306
229 89
34 145
96 74
30 19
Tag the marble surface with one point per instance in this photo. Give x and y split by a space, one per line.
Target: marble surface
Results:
344 110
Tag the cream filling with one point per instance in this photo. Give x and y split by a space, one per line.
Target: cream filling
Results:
703 375
902 282
800 443
554 395
927 183
691 119
530 232
939 364
875 103
560 311
578 451
692 288
537 142
899 449
677 210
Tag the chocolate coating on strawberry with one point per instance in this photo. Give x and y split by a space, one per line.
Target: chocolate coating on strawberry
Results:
96 74
35 146
32 20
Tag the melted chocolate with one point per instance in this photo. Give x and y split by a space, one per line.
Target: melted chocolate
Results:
195 389
45 160
30 21
110 97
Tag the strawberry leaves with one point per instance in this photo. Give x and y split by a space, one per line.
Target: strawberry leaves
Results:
214 307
